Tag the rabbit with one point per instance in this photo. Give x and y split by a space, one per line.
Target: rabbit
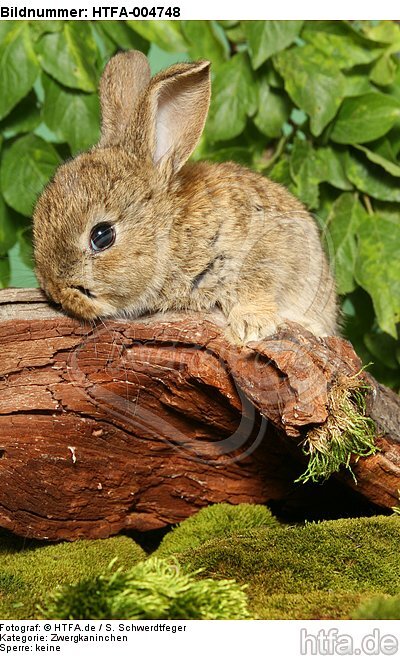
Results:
130 228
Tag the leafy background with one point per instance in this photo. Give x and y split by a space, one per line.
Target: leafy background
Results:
312 104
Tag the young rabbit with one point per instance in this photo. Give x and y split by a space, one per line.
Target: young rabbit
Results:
129 228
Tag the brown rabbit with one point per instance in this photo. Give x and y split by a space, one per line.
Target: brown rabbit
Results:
129 228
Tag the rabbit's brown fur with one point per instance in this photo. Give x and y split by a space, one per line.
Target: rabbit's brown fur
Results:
188 236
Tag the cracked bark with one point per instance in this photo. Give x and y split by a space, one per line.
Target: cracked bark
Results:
136 425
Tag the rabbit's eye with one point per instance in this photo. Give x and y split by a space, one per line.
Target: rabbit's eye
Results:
102 237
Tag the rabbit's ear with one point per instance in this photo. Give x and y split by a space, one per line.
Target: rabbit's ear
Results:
173 113
124 79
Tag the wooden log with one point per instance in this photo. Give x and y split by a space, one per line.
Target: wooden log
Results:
136 425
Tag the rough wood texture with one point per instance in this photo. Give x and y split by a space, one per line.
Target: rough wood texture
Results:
136 425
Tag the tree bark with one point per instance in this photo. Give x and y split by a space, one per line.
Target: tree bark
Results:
136 425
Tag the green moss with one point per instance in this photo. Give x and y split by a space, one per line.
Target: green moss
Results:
317 570
220 520
292 570
9 583
347 432
39 569
314 605
153 589
379 608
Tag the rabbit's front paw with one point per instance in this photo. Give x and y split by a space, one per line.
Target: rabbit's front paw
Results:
250 326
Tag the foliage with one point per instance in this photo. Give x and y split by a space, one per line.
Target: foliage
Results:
313 104
152 589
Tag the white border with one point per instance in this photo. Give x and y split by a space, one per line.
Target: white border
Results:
237 9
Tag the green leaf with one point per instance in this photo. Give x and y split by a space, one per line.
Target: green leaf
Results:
356 85
228 24
5 273
265 38
238 154
123 36
160 60
371 179
26 167
378 268
384 71
343 221
385 32
236 34
204 41
310 166
70 55
298 117
234 97
25 239
25 117
390 167
305 172
39 27
394 88
273 110
345 49
384 146
394 136
7 26
18 66
280 172
365 118
105 45
73 116
313 82
331 167
166 34
383 348
343 27
8 233
272 76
